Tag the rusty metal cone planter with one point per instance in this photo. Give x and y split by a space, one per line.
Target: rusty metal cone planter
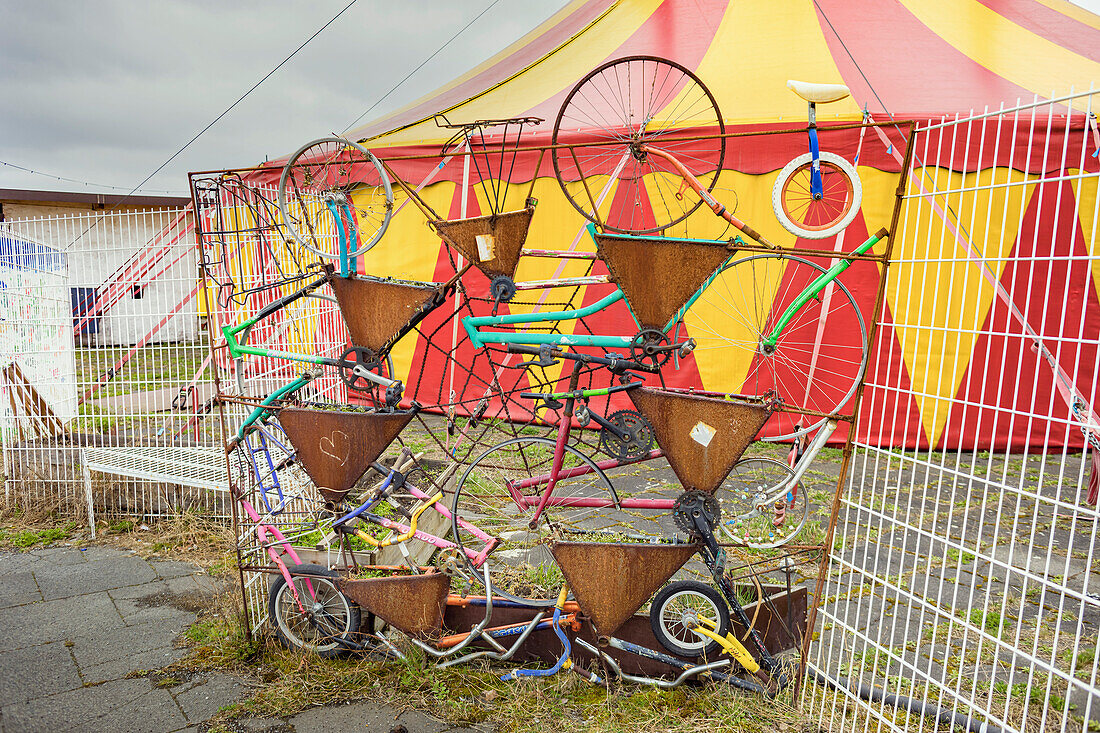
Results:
335 447
702 437
658 276
413 604
611 581
375 310
492 243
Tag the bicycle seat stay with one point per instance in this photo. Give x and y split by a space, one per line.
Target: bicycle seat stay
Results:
818 93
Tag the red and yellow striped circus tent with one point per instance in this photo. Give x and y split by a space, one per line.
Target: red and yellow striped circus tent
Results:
920 60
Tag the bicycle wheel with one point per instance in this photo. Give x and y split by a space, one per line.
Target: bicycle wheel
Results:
610 115
581 509
679 603
329 616
332 185
803 215
759 507
818 360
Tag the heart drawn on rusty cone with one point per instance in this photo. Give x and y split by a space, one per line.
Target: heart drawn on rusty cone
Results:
337 447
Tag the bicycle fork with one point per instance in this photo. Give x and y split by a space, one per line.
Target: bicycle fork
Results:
715 560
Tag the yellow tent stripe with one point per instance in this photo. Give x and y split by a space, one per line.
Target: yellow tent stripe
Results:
1069 9
772 42
1005 48
938 299
555 71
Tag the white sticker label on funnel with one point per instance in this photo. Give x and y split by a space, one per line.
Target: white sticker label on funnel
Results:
486 247
702 433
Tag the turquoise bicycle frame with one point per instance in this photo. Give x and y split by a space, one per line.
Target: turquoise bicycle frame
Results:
473 324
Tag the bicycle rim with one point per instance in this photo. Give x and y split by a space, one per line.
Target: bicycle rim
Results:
619 105
333 174
820 357
522 567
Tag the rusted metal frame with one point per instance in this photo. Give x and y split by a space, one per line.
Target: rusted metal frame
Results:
849 447
562 146
565 282
682 138
559 254
227 448
535 175
587 191
425 208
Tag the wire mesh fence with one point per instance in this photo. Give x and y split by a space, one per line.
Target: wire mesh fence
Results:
963 570
964 581
102 348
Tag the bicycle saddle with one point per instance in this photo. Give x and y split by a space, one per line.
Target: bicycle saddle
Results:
820 93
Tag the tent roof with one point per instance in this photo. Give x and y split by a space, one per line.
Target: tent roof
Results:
908 58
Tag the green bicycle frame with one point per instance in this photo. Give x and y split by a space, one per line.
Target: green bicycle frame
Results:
813 289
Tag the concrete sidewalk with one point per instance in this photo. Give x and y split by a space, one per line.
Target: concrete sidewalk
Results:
75 624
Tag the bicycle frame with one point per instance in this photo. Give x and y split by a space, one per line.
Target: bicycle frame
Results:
473 324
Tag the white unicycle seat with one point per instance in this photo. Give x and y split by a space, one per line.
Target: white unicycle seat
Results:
820 93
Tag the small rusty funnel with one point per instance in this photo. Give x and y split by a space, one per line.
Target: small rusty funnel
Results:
336 447
492 243
376 309
611 581
702 437
410 603
658 276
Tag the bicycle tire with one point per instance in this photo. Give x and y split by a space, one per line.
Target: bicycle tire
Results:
802 215
741 305
332 168
525 571
667 610
748 499
616 102
339 617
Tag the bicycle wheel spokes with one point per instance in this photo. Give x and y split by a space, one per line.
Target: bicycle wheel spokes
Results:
759 506
797 209
333 189
328 616
627 104
580 509
819 358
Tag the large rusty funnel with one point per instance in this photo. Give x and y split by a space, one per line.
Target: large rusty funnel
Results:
611 581
376 309
492 243
413 604
658 275
337 447
702 437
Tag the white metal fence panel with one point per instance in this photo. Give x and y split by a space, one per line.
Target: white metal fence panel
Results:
967 580
126 318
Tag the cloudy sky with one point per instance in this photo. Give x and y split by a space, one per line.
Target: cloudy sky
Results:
105 91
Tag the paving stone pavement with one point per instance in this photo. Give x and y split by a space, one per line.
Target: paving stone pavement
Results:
76 622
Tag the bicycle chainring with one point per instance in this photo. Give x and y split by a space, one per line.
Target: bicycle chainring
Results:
650 347
633 447
502 289
691 504
357 356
